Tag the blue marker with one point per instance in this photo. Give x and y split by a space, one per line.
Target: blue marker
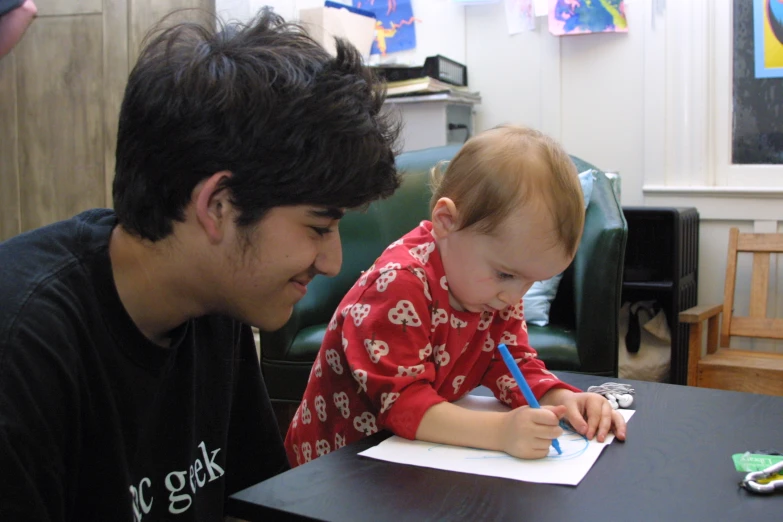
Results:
523 385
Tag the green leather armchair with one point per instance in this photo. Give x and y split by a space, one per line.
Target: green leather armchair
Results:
582 334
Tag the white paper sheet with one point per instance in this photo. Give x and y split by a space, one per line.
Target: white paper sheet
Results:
570 468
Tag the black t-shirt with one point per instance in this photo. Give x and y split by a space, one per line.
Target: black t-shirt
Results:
97 423
6 6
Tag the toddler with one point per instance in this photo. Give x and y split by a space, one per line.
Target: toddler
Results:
420 328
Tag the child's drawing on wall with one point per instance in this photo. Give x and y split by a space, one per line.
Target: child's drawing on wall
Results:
394 29
587 16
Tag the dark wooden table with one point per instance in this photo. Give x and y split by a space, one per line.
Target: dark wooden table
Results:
676 465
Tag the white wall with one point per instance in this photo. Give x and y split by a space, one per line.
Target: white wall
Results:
518 76
603 90
586 91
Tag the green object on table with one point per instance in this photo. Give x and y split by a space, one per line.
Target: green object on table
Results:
754 461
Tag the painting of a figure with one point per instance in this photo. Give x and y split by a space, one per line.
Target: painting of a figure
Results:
394 28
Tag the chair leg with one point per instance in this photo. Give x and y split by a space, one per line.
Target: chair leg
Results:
694 352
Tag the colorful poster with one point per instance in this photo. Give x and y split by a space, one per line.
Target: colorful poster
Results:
587 16
394 28
768 38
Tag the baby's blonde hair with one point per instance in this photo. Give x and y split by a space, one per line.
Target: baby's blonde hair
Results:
507 166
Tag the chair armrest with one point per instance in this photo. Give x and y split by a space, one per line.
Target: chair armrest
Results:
694 317
597 280
697 314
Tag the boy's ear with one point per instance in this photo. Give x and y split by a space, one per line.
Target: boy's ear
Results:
212 205
445 217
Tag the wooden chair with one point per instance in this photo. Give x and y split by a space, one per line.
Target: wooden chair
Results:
732 369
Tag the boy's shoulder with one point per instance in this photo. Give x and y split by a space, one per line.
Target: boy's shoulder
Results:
47 268
50 247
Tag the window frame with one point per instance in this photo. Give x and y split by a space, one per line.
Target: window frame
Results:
688 118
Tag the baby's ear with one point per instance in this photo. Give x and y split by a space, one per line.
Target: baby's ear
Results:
445 217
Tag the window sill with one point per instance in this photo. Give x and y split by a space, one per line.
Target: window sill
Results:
714 192
720 203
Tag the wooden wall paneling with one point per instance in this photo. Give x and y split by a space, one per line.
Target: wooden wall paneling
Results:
9 166
60 101
68 7
145 14
115 75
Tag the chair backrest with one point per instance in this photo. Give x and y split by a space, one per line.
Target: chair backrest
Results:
588 298
587 301
756 323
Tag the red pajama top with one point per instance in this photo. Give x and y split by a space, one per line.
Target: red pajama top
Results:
395 347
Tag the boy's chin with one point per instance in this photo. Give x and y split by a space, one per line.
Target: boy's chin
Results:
271 322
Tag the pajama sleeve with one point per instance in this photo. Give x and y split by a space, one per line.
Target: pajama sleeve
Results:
387 346
513 332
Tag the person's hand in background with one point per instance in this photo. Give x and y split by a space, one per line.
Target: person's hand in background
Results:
14 23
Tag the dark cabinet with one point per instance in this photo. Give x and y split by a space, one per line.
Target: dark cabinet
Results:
661 263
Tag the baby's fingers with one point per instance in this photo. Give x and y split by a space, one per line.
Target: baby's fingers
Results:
547 424
559 411
605 421
619 425
597 410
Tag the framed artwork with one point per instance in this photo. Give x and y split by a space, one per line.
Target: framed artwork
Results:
768 38
757 63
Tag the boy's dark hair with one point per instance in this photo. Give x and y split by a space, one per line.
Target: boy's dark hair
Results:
293 124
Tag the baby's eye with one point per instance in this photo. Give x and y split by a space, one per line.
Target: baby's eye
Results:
503 276
321 231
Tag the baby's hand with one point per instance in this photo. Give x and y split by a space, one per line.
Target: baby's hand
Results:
589 413
592 416
527 432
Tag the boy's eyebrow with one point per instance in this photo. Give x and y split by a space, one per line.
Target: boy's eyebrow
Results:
328 212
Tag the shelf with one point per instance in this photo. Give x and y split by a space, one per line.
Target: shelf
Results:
648 285
427 121
452 97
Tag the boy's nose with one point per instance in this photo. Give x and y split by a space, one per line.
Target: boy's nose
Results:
330 258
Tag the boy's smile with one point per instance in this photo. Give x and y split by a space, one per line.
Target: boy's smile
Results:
269 272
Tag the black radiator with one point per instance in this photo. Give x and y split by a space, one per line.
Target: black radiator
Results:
662 264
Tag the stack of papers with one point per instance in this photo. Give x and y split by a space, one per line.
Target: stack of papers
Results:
427 85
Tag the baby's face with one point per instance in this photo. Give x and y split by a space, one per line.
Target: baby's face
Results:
491 272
